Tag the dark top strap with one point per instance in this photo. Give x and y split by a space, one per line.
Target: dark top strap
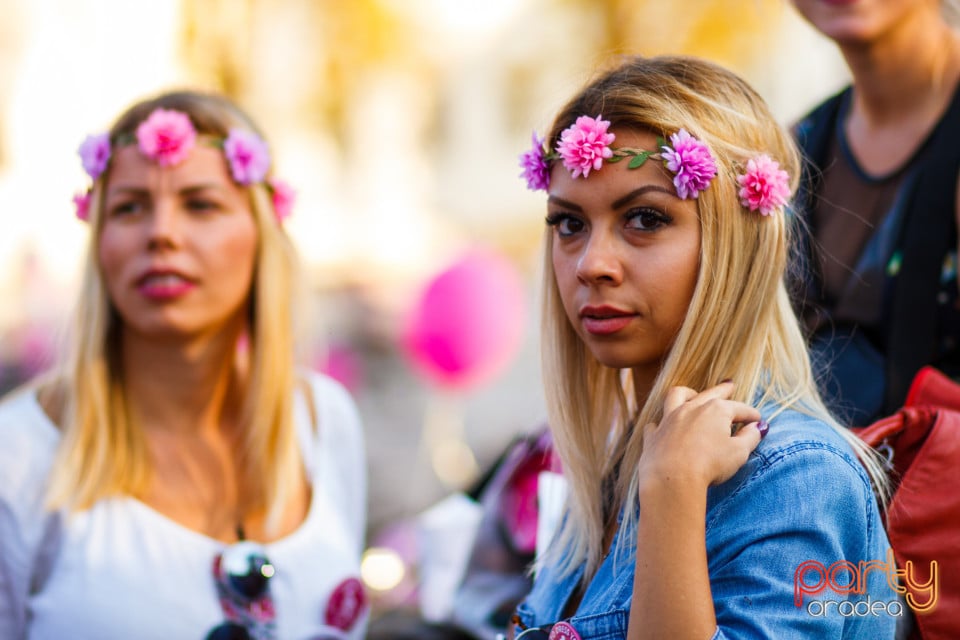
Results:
813 135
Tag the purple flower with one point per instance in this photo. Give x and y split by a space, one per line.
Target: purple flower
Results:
764 186
585 144
248 156
283 198
166 137
95 154
691 163
536 171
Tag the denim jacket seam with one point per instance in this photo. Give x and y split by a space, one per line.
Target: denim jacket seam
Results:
623 589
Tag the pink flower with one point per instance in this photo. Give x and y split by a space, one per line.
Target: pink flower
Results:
584 145
536 171
248 156
95 154
166 136
691 163
81 204
283 198
764 186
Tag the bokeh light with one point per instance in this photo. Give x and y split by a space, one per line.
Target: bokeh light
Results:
382 569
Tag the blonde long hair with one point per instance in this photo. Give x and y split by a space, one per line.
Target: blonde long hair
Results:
103 453
739 323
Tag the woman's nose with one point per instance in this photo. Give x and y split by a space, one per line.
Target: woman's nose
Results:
600 261
165 226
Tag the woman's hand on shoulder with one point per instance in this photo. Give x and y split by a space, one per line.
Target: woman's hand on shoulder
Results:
695 444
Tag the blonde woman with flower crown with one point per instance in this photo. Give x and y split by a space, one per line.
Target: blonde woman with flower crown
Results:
709 488
180 477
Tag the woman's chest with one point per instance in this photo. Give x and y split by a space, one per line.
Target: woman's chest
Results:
124 571
603 610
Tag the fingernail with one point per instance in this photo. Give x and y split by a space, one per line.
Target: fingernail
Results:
726 380
763 426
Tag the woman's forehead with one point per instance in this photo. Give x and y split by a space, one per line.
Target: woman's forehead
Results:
130 167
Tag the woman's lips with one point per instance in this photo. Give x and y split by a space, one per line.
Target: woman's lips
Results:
603 321
164 286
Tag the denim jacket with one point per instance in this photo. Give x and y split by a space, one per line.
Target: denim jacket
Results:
802 497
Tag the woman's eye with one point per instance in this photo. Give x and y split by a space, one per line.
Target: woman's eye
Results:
201 205
647 219
565 224
125 208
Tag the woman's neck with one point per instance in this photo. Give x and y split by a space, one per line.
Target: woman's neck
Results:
903 83
912 68
185 385
642 379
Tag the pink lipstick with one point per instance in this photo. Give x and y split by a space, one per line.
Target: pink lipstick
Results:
605 320
164 285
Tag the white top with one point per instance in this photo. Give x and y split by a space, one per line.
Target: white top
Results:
121 570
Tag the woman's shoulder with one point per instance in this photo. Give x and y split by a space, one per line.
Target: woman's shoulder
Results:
30 443
792 431
802 458
821 117
327 406
324 387
336 456
801 499
29 436
329 397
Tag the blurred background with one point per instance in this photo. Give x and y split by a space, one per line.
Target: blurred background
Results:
399 123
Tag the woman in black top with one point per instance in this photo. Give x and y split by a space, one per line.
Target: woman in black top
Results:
879 290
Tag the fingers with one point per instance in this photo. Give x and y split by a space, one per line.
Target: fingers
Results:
718 395
742 443
740 412
676 397
723 391
749 436
745 440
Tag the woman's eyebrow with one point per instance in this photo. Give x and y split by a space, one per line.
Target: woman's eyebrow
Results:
636 193
127 190
139 191
566 204
619 202
194 188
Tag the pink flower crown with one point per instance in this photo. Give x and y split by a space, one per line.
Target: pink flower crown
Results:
167 137
585 145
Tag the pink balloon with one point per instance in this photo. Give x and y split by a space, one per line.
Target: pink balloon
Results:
468 323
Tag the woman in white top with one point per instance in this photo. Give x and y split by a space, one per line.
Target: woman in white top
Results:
178 477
